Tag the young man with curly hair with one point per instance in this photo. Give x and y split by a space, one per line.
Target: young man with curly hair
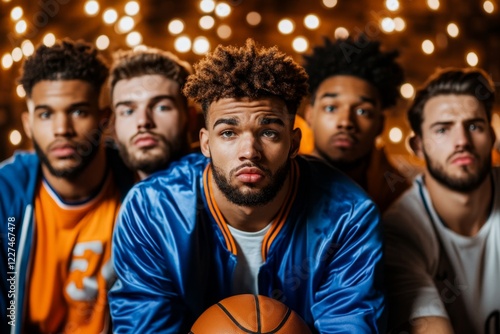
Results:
249 215
443 250
151 120
351 83
59 204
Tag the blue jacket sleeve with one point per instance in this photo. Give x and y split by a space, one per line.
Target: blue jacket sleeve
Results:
143 299
350 297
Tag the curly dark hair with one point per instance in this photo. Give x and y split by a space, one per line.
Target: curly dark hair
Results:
65 60
131 64
361 58
248 71
467 81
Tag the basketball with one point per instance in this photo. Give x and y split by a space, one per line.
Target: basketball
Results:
243 314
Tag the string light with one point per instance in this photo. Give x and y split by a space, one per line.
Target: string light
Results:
427 47
452 30
207 6
395 135
20 91
176 26
102 42
286 26
253 18
15 137
132 8
206 22
399 24
27 47
16 13
489 7
182 44
433 4
330 3
341 32
472 58
201 45
91 8
7 61
110 16
125 24
392 5
224 31
134 38
21 26
222 9
311 21
300 44
407 90
17 54
388 24
49 39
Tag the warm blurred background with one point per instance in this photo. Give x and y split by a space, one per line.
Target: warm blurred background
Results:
428 33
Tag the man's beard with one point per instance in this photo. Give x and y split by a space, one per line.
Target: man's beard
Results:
463 185
71 173
264 196
150 163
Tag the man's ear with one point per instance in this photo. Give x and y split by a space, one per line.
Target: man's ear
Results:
493 137
308 114
204 142
25 118
381 124
416 146
295 145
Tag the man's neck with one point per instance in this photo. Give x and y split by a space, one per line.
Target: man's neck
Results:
80 188
356 170
463 213
250 219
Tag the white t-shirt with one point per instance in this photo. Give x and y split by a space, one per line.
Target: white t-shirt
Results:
249 246
433 271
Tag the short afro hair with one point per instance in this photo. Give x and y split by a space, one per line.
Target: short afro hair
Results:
248 71
130 64
361 58
65 60
452 81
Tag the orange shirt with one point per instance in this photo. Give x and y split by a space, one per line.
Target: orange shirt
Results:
71 269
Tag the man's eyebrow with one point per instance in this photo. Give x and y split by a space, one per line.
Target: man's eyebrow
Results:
228 121
71 106
329 95
362 98
271 120
154 99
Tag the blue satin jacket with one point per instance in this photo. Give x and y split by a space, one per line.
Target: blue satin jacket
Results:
175 257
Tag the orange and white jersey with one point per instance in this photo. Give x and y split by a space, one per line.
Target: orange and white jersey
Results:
71 270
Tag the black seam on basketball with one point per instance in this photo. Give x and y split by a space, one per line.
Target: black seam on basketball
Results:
234 320
257 311
282 323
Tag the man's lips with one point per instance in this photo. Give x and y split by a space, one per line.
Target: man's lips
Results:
63 150
145 140
462 159
343 141
250 175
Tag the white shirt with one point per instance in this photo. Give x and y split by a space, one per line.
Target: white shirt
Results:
433 271
249 246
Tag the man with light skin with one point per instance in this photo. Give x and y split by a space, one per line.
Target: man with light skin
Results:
351 83
59 203
248 215
443 254
151 122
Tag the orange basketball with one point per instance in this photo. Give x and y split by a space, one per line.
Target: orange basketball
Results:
243 314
